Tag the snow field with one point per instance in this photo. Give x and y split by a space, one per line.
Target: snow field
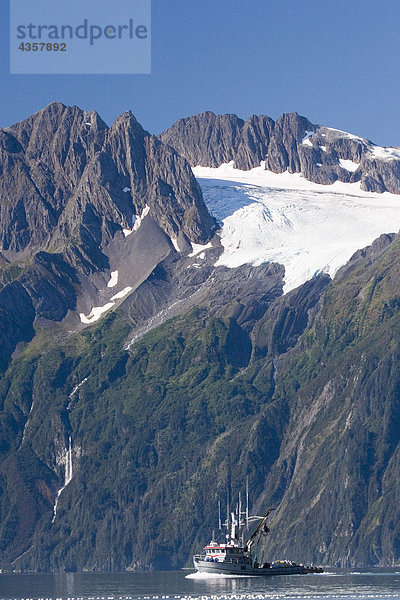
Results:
307 227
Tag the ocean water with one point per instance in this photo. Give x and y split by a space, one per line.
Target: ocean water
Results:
181 585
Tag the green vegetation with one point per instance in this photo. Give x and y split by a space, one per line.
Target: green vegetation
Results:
160 432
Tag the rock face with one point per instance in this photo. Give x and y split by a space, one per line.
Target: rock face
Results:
323 155
64 173
210 140
69 185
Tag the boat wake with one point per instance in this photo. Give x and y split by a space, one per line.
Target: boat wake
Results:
202 576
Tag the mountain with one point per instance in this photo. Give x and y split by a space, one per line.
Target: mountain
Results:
154 356
292 143
72 191
337 475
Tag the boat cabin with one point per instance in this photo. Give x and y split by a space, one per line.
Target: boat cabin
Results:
225 553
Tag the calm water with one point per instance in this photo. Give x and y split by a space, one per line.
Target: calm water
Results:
180 585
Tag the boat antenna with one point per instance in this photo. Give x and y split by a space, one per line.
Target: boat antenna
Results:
227 514
247 502
240 514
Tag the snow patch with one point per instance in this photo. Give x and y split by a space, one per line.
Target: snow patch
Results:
309 228
385 153
139 218
122 293
126 189
136 221
113 280
306 141
323 148
349 165
95 313
175 244
196 248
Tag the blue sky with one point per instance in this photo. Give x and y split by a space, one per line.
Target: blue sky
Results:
335 62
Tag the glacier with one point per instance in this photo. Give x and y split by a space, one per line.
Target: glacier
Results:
307 227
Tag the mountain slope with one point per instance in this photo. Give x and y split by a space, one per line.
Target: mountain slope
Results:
311 379
336 480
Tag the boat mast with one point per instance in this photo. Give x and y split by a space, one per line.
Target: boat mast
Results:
247 502
240 514
227 516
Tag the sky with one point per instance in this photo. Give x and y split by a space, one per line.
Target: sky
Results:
335 62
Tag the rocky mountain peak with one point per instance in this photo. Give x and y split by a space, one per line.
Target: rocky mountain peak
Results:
206 138
74 189
322 154
48 128
283 149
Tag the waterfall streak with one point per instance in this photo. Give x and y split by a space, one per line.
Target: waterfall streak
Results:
67 460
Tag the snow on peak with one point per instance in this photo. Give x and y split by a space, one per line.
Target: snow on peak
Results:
383 153
346 134
306 139
308 227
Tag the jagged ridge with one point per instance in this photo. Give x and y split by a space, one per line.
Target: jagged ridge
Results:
69 186
323 155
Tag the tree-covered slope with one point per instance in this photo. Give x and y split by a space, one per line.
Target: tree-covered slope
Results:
337 479
157 434
304 399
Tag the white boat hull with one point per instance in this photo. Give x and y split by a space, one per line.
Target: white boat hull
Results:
225 568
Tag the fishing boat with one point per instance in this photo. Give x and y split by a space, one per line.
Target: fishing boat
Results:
234 557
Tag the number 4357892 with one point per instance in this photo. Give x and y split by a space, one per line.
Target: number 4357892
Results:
42 46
